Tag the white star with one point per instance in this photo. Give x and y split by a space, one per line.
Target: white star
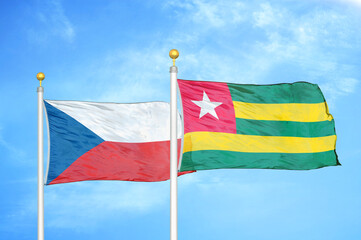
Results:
207 106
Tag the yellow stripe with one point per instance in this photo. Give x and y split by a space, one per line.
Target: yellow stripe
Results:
298 112
196 141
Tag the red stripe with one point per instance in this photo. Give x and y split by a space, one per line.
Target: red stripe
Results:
217 92
141 162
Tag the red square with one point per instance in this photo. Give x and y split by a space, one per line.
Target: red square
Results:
195 94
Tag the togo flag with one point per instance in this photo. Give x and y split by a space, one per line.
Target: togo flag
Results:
281 126
108 141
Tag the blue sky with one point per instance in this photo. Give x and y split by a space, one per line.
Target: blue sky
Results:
118 51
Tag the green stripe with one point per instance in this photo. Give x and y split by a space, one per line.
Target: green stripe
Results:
285 128
213 159
299 92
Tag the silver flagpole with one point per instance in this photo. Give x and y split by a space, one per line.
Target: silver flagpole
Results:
40 76
173 148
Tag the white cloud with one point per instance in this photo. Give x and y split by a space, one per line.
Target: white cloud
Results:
267 16
210 13
313 44
352 2
306 41
338 87
84 204
52 22
214 186
13 151
223 68
348 85
133 75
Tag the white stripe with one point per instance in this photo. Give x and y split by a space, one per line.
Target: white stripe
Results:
136 122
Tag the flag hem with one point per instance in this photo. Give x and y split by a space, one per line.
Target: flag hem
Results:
182 132
48 133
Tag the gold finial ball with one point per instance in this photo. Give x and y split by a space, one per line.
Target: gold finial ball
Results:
40 76
173 53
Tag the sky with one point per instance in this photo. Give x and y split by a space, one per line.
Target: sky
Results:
117 51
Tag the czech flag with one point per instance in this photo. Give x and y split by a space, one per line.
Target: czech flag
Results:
108 141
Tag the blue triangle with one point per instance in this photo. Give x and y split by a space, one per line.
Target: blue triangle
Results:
69 140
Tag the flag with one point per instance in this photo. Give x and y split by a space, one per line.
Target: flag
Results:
108 141
281 126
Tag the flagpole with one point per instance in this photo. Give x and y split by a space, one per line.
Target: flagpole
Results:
40 76
173 148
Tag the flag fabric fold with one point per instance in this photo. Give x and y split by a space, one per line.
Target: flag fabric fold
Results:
108 141
281 126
